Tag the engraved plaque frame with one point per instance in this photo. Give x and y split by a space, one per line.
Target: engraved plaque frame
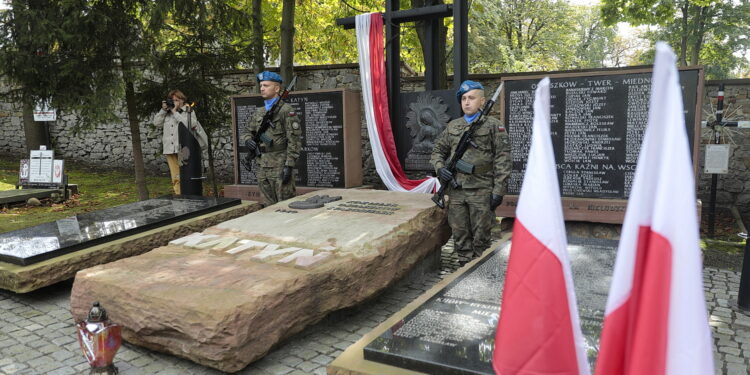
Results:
351 143
593 208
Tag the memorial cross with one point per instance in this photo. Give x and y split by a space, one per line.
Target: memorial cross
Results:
716 127
393 17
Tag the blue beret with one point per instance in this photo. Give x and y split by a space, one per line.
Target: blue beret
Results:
467 86
269 76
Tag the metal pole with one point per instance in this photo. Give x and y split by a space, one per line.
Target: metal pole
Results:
392 57
714 176
460 42
432 63
743 295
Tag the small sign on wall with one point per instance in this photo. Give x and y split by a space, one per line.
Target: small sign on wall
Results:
717 159
43 112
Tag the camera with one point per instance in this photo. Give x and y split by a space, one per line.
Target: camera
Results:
170 103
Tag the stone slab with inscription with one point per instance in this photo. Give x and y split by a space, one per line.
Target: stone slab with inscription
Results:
453 332
70 259
224 297
331 154
48 240
598 120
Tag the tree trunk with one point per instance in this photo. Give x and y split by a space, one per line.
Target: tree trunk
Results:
421 27
684 35
287 40
35 132
210 150
700 31
257 40
211 168
135 132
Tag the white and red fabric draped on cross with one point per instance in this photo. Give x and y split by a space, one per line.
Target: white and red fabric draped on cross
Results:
375 100
656 320
539 330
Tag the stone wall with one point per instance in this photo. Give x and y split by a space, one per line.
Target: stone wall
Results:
109 145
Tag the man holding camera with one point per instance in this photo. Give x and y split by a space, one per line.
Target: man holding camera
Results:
174 111
275 140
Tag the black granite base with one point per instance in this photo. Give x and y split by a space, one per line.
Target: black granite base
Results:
454 331
45 241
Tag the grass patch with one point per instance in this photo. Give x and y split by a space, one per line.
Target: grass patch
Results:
725 246
97 188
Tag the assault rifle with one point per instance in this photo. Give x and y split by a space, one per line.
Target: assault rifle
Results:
463 145
267 122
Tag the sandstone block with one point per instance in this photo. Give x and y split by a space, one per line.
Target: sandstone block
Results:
265 276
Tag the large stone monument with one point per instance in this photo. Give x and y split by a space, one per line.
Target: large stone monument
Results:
226 296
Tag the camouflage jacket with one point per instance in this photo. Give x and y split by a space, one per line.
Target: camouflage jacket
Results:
286 136
491 159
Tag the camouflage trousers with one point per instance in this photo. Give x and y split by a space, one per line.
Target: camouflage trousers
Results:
271 188
471 219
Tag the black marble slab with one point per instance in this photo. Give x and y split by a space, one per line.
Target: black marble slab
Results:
454 331
45 241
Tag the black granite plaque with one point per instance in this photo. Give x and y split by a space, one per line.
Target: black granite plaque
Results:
423 117
49 240
321 163
191 170
454 331
598 123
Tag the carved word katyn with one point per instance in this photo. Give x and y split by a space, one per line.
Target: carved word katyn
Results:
297 256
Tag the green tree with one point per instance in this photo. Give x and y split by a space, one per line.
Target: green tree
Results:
323 42
46 54
597 44
521 35
257 37
196 42
708 32
286 44
26 39
123 28
80 56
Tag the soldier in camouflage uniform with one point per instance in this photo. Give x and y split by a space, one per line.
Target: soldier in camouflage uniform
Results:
280 144
471 208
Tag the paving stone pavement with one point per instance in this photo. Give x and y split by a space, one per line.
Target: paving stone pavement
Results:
37 334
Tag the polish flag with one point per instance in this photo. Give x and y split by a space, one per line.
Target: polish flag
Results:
539 330
656 320
375 101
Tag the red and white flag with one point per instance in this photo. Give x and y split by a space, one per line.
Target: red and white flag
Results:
375 101
539 330
656 320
